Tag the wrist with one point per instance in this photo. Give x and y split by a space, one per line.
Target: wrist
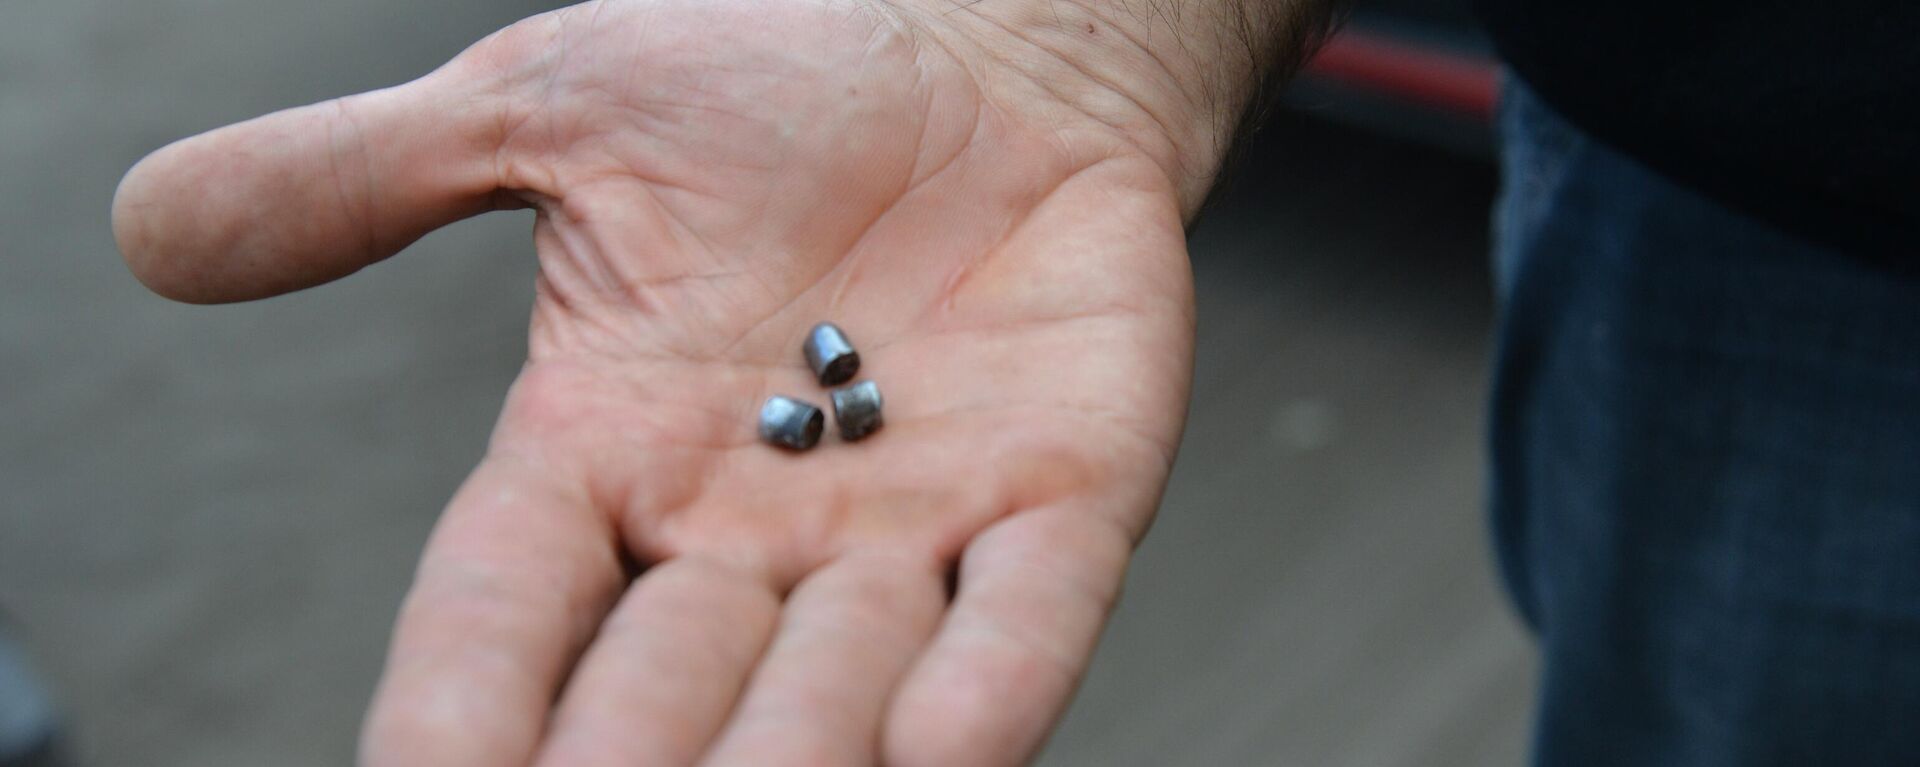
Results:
1171 78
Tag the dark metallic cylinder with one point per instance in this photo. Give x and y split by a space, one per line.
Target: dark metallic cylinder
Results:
857 409
830 355
790 423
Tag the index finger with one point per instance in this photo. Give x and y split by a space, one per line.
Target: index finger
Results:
514 582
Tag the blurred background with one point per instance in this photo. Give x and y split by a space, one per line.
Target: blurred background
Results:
208 515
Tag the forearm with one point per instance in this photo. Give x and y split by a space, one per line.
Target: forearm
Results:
1174 76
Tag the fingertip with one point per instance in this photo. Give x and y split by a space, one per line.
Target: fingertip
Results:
130 227
228 216
137 220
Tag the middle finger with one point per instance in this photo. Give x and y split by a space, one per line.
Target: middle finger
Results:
848 634
665 669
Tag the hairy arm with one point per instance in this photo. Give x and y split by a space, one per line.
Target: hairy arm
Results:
1175 76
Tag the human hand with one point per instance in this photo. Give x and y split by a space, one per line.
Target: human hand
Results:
1003 242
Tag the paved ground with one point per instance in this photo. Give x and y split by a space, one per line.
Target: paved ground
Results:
207 516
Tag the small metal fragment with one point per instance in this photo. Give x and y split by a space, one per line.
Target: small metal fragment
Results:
790 423
857 409
830 355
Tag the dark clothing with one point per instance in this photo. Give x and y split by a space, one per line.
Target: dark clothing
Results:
1706 470
1804 114
28 735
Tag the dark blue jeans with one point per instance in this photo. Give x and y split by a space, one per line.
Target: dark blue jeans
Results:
1706 470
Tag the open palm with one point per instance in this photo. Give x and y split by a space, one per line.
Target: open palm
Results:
630 577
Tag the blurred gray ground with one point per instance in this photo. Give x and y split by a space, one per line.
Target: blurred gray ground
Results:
208 515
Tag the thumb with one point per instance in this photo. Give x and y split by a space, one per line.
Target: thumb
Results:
308 195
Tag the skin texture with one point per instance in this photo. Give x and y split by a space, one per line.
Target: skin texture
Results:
629 576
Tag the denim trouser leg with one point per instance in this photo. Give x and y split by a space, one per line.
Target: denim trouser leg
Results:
1706 471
